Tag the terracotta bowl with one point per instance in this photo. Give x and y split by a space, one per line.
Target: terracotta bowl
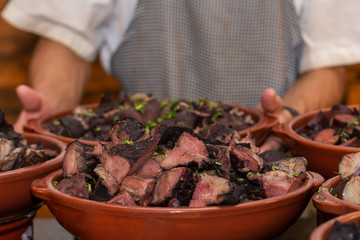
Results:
262 128
322 158
17 228
329 206
322 232
260 219
15 192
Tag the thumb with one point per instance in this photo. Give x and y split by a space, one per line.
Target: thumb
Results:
34 104
29 98
270 102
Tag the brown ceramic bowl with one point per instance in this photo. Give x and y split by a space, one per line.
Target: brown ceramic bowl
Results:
15 192
322 158
260 219
262 128
329 206
17 228
322 232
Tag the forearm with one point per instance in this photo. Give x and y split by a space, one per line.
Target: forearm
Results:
58 74
317 89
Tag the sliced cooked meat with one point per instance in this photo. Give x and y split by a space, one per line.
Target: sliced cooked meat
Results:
107 180
140 189
327 136
210 190
351 192
244 159
167 182
124 199
349 165
74 185
151 169
276 183
78 158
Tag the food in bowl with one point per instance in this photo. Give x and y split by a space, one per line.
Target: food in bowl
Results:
94 123
340 127
176 166
16 152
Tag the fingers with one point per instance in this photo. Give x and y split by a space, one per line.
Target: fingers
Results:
272 143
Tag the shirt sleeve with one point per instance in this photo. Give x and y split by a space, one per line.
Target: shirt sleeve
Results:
330 32
77 24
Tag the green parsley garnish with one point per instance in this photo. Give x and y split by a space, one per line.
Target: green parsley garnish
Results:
128 142
55 183
322 189
88 185
97 129
56 123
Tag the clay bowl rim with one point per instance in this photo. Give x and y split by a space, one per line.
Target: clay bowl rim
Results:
33 170
264 121
324 197
44 189
288 130
325 228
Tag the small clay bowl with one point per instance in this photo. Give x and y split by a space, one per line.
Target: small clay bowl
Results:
15 192
260 219
322 158
262 128
322 232
327 205
17 228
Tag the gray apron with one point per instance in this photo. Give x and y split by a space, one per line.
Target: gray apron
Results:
222 50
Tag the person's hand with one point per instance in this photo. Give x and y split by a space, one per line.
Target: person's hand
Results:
34 106
272 104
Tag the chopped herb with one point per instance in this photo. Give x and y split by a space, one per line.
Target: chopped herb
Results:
55 183
240 179
88 185
249 173
116 118
94 180
159 170
295 174
121 107
352 123
331 189
56 123
332 140
89 113
213 105
97 129
135 188
322 189
273 167
164 156
128 142
149 125
335 195
218 163
139 106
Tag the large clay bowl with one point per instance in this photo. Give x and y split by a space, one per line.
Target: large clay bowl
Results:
322 232
262 128
260 219
329 206
322 158
15 192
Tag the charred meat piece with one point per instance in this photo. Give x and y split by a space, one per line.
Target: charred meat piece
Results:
78 158
107 180
244 159
349 165
75 185
151 169
72 127
327 136
351 192
168 181
210 190
140 189
277 183
127 130
124 199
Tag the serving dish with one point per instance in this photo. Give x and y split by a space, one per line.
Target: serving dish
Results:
263 123
87 219
15 192
329 206
322 158
323 231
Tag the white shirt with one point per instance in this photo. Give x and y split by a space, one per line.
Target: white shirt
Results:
329 27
